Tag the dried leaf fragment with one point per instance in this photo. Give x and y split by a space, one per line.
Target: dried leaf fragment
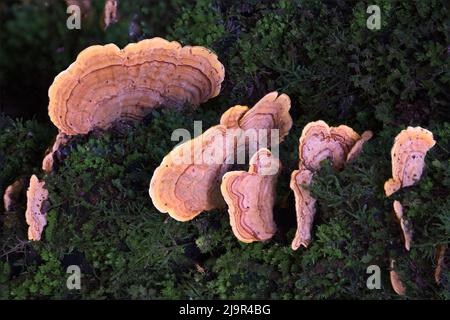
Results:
404 224
106 84
408 158
251 196
36 215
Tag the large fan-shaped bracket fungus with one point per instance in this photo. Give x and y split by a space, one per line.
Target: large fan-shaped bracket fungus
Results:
186 188
106 83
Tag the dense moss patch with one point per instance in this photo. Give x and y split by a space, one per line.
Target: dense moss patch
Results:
102 219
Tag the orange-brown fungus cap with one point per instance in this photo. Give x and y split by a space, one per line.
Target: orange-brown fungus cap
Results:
271 112
319 142
184 185
357 147
251 196
106 83
60 140
408 158
188 180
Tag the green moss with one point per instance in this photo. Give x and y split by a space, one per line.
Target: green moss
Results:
101 218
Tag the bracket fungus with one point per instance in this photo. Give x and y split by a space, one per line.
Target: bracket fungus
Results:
36 214
304 206
317 143
320 141
185 188
408 158
440 265
110 13
106 83
396 282
251 196
60 140
357 147
188 179
404 224
12 194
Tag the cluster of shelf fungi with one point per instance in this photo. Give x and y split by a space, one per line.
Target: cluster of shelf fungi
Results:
106 84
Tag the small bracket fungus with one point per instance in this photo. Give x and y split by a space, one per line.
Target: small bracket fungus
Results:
105 83
396 282
439 263
304 207
110 13
357 148
36 215
317 143
61 140
404 224
12 194
251 196
188 179
271 112
408 158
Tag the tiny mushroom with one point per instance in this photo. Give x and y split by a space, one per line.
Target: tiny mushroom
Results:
106 84
319 142
188 179
408 158
36 214
251 196
404 224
